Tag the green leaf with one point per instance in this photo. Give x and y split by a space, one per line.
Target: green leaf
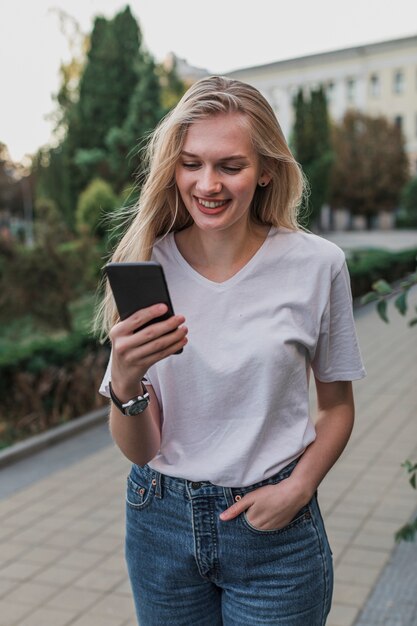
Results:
381 307
369 297
407 532
401 303
413 322
382 287
413 481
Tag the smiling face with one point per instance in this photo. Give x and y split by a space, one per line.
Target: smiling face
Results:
218 171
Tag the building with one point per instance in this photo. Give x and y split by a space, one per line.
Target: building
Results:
376 79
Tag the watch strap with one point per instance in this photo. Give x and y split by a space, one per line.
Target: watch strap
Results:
123 406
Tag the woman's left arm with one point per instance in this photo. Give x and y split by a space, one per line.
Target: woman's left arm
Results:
274 506
335 417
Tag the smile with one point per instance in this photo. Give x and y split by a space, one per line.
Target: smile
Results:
211 205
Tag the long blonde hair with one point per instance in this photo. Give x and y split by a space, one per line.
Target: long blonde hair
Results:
160 209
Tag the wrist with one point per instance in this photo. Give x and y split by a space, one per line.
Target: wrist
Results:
304 490
132 407
127 391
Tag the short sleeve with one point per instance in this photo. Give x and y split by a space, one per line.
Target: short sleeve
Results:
104 387
337 355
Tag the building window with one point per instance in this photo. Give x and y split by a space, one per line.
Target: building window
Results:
350 89
399 82
398 121
375 86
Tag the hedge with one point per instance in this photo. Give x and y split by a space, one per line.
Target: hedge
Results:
368 266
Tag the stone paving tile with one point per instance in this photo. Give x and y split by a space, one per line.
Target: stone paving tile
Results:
350 594
11 612
91 620
101 580
45 616
71 597
31 593
114 605
57 575
342 615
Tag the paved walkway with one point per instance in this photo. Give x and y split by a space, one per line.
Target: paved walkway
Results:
61 537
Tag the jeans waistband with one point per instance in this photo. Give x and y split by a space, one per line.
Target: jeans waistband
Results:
205 488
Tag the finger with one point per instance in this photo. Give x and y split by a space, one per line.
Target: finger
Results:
143 316
158 348
236 509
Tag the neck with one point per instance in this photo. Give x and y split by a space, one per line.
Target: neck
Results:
219 255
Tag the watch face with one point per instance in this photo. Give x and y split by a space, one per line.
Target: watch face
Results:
137 407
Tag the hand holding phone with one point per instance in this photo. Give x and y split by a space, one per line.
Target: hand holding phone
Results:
137 286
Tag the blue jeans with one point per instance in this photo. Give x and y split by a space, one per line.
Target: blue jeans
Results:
188 568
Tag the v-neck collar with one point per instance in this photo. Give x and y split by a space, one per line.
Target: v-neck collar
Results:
252 262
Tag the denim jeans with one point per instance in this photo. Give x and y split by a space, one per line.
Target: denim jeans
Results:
189 568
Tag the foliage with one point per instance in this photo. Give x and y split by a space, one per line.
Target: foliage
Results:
407 217
111 96
312 148
43 281
366 267
47 382
49 223
47 377
381 292
367 179
95 203
408 531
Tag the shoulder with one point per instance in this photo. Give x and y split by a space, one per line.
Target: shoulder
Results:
162 247
311 249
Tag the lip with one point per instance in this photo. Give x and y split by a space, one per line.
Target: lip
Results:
208 210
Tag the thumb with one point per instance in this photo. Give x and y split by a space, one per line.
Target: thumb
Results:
236 509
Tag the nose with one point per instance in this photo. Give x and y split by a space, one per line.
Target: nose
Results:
208 182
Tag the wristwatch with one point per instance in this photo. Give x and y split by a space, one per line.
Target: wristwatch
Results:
132 407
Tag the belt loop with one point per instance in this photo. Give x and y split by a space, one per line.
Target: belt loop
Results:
158 487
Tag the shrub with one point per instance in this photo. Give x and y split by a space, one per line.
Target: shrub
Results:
47 382
368 266
95 204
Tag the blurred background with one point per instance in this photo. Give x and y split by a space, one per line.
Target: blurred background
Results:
82 85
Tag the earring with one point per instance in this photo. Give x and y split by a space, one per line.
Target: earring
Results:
262 183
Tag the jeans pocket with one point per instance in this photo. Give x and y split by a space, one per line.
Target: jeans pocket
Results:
303 516
139 491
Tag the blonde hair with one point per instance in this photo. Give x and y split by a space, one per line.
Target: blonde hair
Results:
160 209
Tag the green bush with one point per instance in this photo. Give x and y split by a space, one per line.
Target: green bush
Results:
407 216
48 381
368 266
95 205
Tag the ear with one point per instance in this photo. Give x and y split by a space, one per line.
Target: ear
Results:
264 180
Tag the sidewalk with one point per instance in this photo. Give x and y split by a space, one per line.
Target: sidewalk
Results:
61 537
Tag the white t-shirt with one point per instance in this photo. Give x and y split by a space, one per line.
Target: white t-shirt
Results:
235 403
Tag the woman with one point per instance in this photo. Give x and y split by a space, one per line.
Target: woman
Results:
223 526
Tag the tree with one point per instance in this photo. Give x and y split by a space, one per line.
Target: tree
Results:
370 166
408 202
95 203
144 112
312 147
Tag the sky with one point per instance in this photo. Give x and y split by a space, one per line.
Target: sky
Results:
218 35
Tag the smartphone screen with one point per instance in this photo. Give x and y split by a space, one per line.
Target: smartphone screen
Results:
139 285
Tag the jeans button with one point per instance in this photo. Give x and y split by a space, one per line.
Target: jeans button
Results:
195 485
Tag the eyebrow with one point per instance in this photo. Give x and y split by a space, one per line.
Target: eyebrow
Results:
232 157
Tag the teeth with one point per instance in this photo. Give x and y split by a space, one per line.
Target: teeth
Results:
211 205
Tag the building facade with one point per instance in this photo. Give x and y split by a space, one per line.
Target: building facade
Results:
376 79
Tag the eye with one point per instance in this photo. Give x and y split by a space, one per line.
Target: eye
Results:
190 165
229 169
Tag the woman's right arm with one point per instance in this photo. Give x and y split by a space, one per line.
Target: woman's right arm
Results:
133 353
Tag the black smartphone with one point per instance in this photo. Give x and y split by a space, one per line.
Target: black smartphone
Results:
139 285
